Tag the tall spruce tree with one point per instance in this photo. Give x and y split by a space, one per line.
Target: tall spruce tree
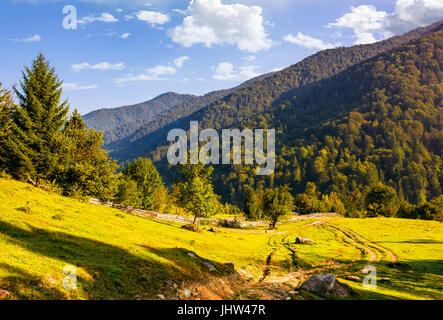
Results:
38 119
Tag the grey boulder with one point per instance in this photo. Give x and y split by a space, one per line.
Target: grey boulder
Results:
326 285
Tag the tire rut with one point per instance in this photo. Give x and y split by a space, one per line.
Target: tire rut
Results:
393 256
372 254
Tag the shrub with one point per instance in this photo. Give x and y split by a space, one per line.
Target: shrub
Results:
381 200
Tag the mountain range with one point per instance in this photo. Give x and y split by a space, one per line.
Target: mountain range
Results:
346 118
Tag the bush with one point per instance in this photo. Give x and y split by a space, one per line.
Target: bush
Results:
310 203
252 204
303 204
226 223
432 210
381 200
128 193
406 210
4 175
191 227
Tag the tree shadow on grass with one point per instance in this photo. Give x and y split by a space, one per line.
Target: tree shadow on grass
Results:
116 273
427 266
416 241
198 266
20 285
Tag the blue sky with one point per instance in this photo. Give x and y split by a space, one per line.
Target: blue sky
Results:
128 51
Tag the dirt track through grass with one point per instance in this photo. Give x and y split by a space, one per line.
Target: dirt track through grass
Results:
351 236
367 244
393 256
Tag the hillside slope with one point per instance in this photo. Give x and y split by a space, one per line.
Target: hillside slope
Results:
121 256
255 98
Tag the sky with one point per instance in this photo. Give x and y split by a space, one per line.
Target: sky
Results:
111 53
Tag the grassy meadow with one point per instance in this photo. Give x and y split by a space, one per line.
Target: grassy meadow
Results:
122 256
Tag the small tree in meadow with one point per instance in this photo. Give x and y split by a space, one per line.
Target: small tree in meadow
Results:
150 188
251 205
277 203
84 167
381 200
196 193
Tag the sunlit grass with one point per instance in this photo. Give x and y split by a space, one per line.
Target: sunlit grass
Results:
121 256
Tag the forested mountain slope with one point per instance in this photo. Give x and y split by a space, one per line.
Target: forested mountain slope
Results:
255 98
378 121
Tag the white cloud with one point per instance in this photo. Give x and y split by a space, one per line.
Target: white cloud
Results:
366 21
309 42
104 66
183 12
277 69
75 86
249 58
119 10
180 61
125 35
227 72
211 22
152 17
363 20
104 17
156 73
33 38
409 14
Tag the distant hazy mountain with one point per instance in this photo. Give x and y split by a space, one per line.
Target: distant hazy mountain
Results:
120 123
107 119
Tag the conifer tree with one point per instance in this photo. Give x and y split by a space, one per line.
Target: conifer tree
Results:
6 105
13 150
38 119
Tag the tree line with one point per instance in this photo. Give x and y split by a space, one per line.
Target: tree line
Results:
43 143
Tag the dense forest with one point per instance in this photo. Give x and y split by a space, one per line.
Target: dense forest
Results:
252 98
378 123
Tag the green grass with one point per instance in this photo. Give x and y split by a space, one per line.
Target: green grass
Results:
121 256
